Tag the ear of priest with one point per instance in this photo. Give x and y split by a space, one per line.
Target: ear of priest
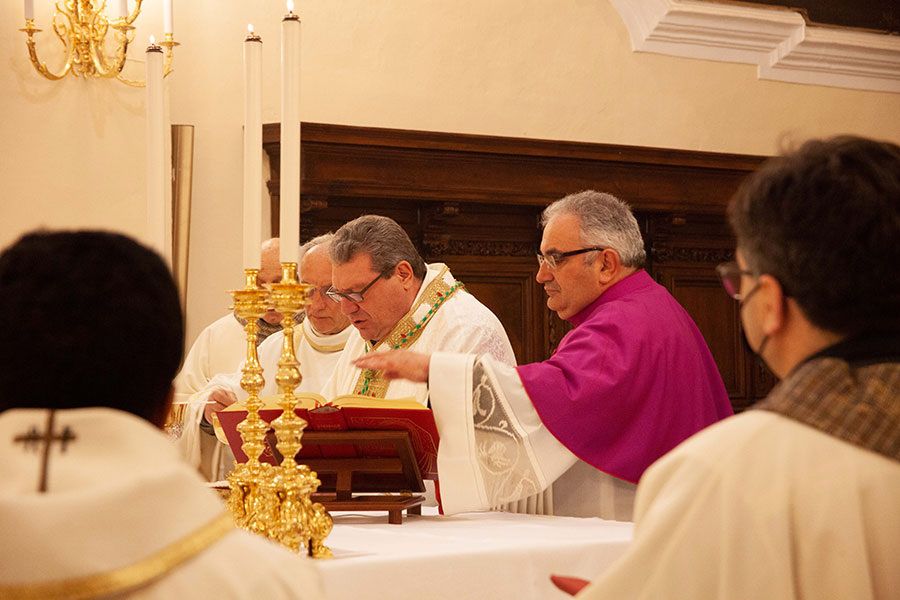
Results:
573 434
803 488
94 494
394 300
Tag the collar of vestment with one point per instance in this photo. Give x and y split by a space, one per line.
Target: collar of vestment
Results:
121 508
324 343
637 281
848 391
437 287
265 328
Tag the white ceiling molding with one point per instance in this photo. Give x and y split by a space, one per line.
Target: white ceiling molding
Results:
777 40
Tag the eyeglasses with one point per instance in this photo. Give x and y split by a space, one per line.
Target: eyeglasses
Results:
355 297
730 273
554 259
313 291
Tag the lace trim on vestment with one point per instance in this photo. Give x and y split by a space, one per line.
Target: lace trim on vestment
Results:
506 468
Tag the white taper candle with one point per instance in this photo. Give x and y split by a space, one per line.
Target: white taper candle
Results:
252 237
158 176
168 19
289 217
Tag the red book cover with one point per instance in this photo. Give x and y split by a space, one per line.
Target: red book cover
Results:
348 412
331 418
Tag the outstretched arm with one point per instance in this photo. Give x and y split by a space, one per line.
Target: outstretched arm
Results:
398 364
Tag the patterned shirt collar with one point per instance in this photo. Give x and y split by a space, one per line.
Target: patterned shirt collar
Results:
849 391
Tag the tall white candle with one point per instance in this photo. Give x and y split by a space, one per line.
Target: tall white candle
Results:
122 8
158 178
252 150
29 9
289 216
168 20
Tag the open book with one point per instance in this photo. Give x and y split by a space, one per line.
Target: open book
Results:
350 412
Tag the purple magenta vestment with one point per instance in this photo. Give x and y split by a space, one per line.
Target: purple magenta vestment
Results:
632 380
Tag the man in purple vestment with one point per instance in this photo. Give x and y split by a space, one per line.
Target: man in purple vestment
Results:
632 380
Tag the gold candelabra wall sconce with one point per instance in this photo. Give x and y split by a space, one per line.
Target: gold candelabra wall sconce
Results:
94 44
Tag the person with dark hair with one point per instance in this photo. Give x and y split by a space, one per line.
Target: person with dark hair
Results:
572 435
796 498
395 301
95 498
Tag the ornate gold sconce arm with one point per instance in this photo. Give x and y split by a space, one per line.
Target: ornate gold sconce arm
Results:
83 30
41 66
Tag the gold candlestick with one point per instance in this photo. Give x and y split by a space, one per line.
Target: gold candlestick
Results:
252 498
301 523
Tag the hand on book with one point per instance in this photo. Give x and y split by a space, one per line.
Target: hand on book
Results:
398 364
217 400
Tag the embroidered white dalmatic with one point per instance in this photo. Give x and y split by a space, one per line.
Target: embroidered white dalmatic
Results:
317 354
461 324
117 495
496 453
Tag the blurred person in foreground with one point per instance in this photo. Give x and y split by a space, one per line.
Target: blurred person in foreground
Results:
95 499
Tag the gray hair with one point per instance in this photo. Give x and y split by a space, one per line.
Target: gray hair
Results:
382 238
319 240
605 221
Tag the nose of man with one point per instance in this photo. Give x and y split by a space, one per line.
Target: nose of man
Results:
544 273
348 307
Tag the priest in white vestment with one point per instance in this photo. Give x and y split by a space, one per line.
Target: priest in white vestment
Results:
318 342
798 497
95 500
572 435
396 301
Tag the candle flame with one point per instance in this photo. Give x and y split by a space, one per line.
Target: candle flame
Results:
290 6
152 40
250 28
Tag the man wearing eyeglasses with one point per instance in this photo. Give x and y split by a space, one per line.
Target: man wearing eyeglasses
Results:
633 379
318 342
798 497
396 301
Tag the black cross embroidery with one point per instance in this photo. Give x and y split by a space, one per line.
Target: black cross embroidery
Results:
33 438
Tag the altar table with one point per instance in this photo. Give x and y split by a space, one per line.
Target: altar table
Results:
490 555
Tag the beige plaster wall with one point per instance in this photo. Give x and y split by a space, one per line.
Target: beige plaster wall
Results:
74 152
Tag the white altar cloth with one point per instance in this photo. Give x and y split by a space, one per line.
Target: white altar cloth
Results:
490 555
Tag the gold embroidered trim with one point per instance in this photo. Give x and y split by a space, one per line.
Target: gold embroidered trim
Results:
403 333
130 577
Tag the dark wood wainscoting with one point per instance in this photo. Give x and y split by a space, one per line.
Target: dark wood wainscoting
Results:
474 202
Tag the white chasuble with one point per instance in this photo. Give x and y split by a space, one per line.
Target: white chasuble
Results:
122 515
317 354
459 323
496 453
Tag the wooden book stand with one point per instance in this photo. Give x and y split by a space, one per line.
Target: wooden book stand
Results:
384 476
